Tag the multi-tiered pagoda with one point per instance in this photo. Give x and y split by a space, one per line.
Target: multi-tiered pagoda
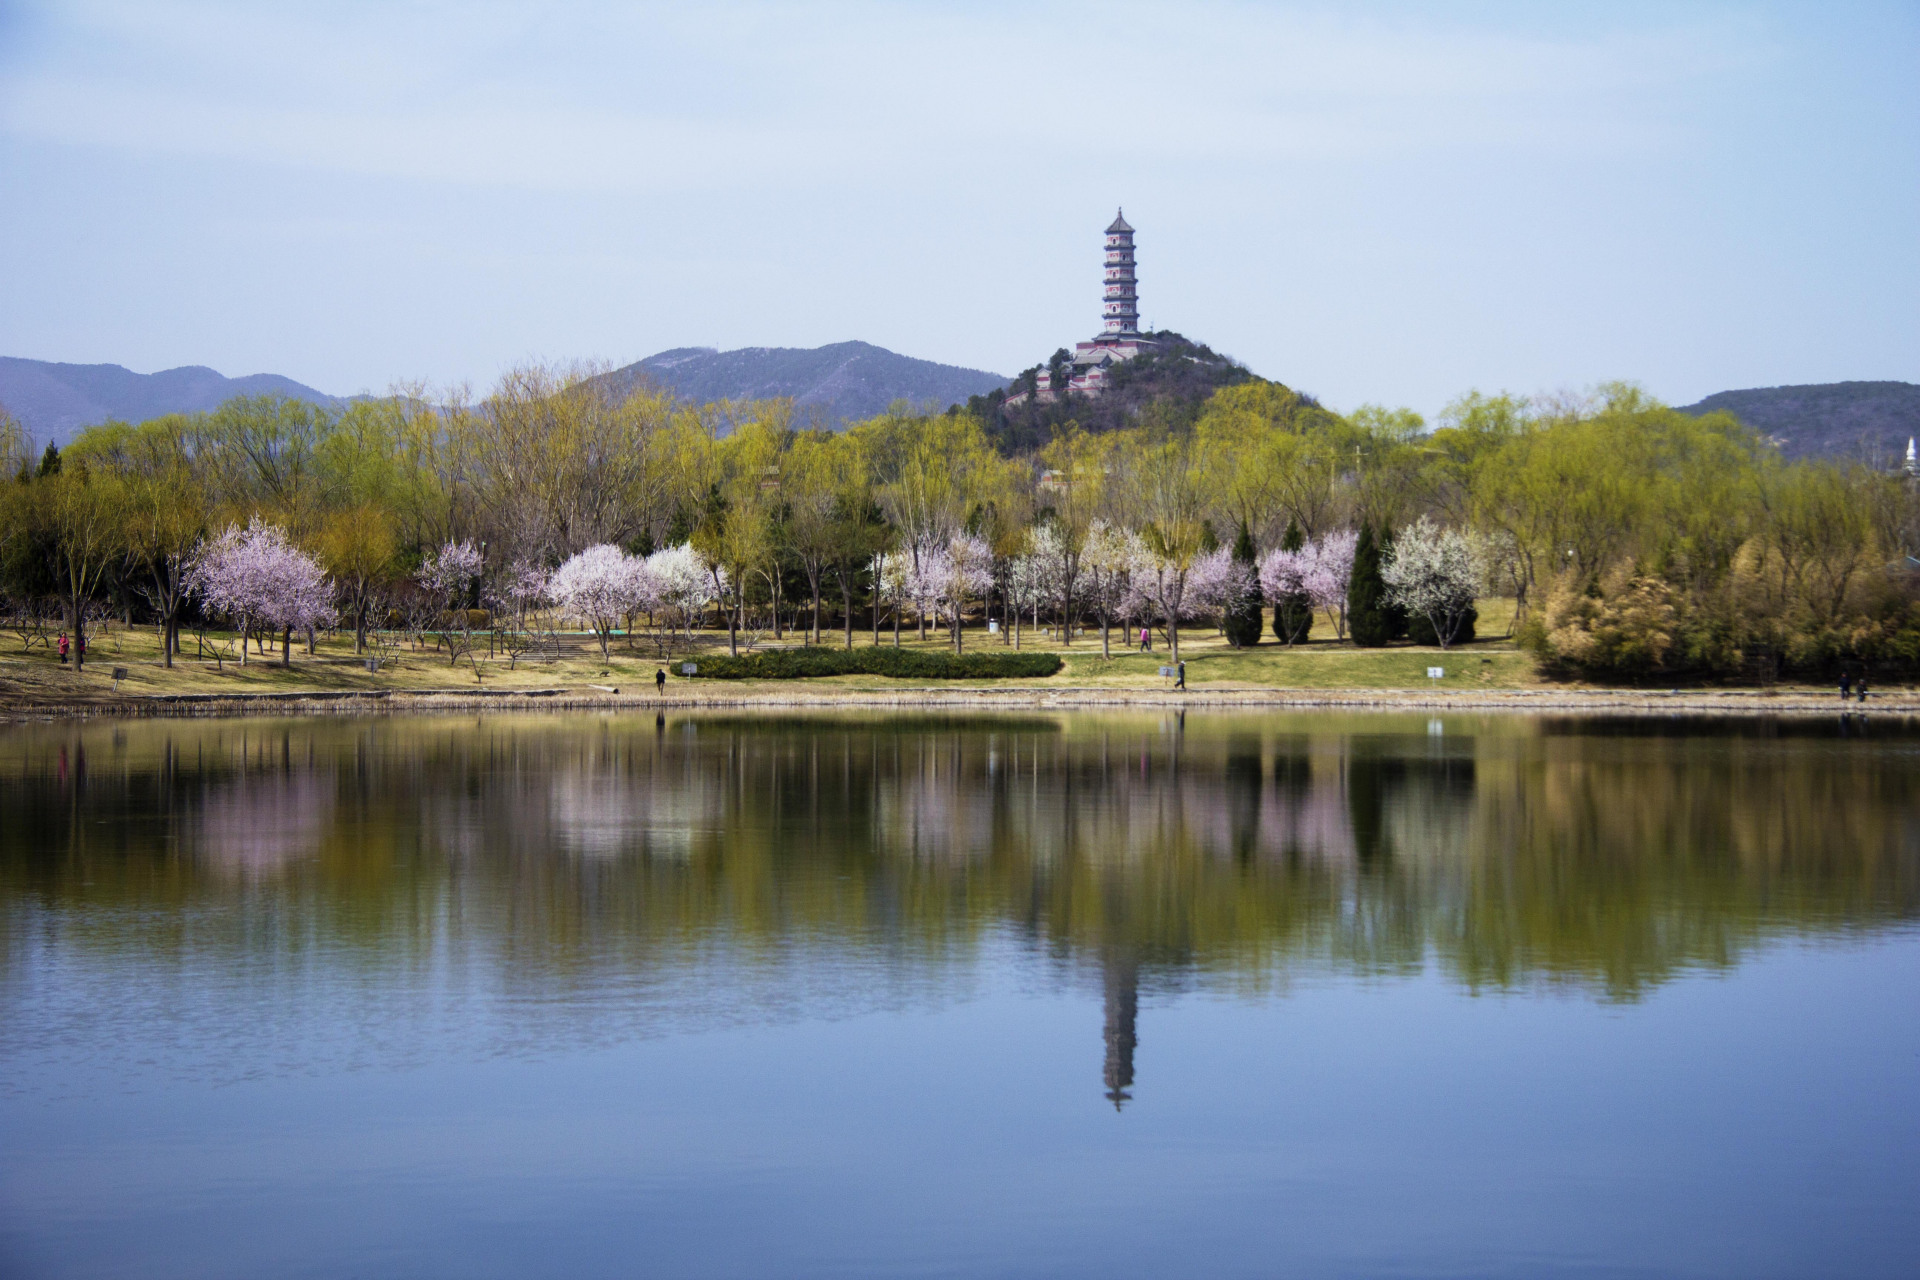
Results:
1120 316
1120 338
1123 296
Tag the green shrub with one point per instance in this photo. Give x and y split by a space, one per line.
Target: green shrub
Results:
900 664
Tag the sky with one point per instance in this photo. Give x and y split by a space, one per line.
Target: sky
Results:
1387 204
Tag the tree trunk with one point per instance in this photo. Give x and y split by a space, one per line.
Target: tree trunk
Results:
286 646
846 599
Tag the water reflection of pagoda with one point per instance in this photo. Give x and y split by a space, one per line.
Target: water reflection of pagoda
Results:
1122 975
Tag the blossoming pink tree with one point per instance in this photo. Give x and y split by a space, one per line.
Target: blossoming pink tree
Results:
449 574
1319 570
603 586
1217 582
447 577
261 581
513 598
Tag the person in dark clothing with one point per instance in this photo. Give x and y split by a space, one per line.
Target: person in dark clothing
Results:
660 681
1861 687
1181 670
1846 684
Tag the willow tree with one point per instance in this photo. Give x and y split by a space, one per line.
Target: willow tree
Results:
83 512
936 471
562 459
1071 496
1167 497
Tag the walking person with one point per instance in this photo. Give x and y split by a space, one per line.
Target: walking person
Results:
660 681
1180 681
1861 686
63 648
1846 684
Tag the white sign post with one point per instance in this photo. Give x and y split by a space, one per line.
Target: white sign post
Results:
689 669
1436 674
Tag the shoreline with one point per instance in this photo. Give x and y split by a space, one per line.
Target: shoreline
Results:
1736 702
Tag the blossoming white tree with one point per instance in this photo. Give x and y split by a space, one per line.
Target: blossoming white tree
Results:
1435 573
602 586
965 570
683 587
261 581
1021 586
1112 556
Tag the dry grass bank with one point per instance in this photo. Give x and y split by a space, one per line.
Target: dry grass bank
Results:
1319 673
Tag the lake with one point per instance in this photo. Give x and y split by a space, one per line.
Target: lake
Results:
1048 995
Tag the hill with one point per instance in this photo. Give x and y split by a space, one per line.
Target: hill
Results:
54 400
1868 421
834 385
1172 381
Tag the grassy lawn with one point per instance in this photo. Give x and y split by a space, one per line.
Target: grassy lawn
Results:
1321 663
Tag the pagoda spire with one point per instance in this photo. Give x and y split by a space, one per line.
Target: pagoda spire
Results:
1120 315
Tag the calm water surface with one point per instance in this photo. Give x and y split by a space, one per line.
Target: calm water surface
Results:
1087 995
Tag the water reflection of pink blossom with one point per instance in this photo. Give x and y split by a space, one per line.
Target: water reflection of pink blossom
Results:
258 823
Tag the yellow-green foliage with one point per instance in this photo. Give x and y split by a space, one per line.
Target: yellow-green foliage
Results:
1628 537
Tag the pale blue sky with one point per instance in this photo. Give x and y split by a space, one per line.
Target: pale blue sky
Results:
1374 203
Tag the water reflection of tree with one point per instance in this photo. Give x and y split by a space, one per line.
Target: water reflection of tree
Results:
553 851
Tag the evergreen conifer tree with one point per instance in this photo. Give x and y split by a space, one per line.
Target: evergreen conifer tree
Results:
1367 620
1242 621
1292 612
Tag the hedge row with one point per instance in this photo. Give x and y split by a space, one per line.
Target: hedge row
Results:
905 664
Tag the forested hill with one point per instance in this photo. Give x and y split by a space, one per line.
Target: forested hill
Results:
53 401
1867 421
1170 383
833 385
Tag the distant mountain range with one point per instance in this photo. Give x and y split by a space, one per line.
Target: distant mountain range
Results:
55 400
833 385
1868 421
847 381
